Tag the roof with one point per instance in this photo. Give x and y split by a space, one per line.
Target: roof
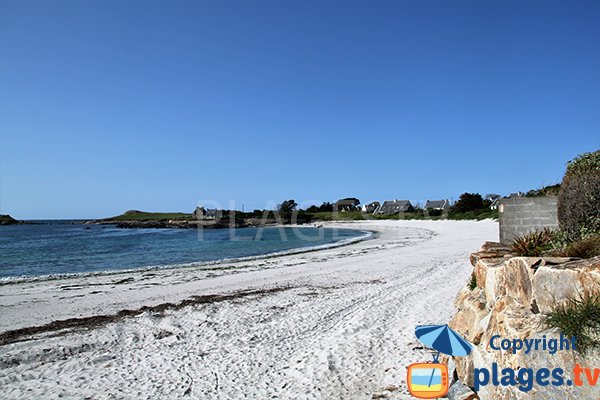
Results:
347 202
436 203
394 206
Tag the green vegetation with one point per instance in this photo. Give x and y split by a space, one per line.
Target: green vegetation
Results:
550 190
325 207
434 212
533 244
484 213
578 214
578 317
586 247
286 210
285 213
469 202
473 206
470 206
556 243
417 214
473 282
134 215
344 216
7 220
579 197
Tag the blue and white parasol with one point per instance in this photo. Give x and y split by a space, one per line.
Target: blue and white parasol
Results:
443 339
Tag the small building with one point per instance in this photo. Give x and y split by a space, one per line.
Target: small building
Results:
442 205
347 204
371 207
202 213
390 207
199 213
518 216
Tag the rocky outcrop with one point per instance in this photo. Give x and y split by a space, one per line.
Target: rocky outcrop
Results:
8 220
129 220
510 298
223 219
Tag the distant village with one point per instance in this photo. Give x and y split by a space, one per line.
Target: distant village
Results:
376 208
468 206
392 207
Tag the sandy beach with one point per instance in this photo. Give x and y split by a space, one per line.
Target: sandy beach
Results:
329 324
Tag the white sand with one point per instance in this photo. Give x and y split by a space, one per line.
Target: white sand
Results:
342 328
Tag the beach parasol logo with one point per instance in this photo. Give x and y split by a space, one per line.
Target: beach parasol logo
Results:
429 380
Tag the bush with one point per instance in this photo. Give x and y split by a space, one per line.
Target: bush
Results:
578 317
469 202
433 212
579 196
533 244
583 248
550 190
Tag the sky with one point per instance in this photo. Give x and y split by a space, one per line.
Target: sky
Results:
109 105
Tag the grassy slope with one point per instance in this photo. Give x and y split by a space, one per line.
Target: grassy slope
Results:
150 216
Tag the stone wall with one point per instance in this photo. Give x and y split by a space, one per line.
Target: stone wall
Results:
520 215
510 298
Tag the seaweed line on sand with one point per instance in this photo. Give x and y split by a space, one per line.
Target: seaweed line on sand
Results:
19 335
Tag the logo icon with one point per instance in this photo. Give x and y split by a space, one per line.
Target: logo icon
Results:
429 380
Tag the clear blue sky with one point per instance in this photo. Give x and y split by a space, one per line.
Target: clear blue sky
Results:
112 105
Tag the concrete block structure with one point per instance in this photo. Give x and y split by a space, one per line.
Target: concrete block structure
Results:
520 215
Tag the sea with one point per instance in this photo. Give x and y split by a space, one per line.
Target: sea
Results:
46 249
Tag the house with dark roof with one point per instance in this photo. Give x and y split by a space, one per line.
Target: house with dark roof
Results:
442 205
347 204
390 207
371 207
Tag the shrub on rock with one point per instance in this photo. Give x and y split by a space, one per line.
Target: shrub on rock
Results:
579 196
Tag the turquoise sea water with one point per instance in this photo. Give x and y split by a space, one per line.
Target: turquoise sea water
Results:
60 247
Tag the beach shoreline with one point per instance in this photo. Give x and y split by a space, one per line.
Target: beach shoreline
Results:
9 280
345 315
